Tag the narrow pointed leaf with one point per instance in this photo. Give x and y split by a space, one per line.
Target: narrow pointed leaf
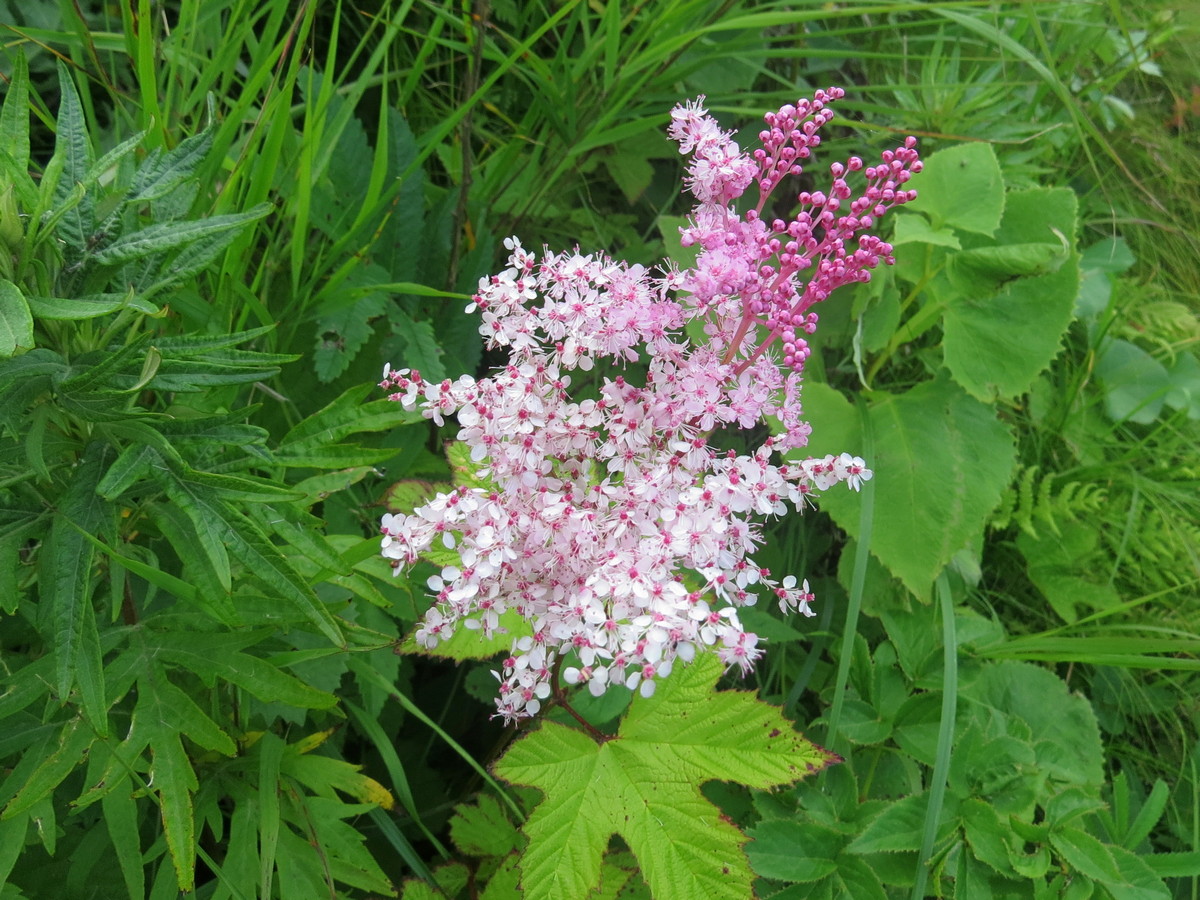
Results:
65 574
171 777
164 236
14 116
254 675
75 149
73 743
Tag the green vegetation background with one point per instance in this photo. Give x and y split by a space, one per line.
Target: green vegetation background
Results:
220 219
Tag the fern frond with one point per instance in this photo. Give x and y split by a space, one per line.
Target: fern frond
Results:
1047 500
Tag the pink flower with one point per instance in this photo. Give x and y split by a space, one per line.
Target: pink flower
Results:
611 524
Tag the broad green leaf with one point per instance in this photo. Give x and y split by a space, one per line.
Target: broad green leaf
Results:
941 461
794 850
16 321
466 643
961 187
854 878
505 882
644 784
1136 384
987 835
1185 385
998 341
164 236
912 229
1066 736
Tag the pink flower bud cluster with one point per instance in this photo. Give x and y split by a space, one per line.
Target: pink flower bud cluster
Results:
611 526
757 279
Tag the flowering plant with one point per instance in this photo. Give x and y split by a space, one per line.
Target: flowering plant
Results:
612 526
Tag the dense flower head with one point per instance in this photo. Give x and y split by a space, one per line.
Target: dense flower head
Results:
609 523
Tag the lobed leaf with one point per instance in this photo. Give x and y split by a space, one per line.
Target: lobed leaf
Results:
644 785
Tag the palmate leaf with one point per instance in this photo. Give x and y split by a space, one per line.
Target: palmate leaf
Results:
644 784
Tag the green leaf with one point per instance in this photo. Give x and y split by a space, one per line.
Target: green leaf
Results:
171 773
1065 732
163 236
14 116
898 827
482 828
1085 854
121 820
243 540
645 782
912 229
347 415
73 743
212 655
961 187
1174 865
998 341
793 850
132 463
162 171
1139 880
854 878
1136 384
16 321
89 307
942 461
72 205
65 576
466 643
